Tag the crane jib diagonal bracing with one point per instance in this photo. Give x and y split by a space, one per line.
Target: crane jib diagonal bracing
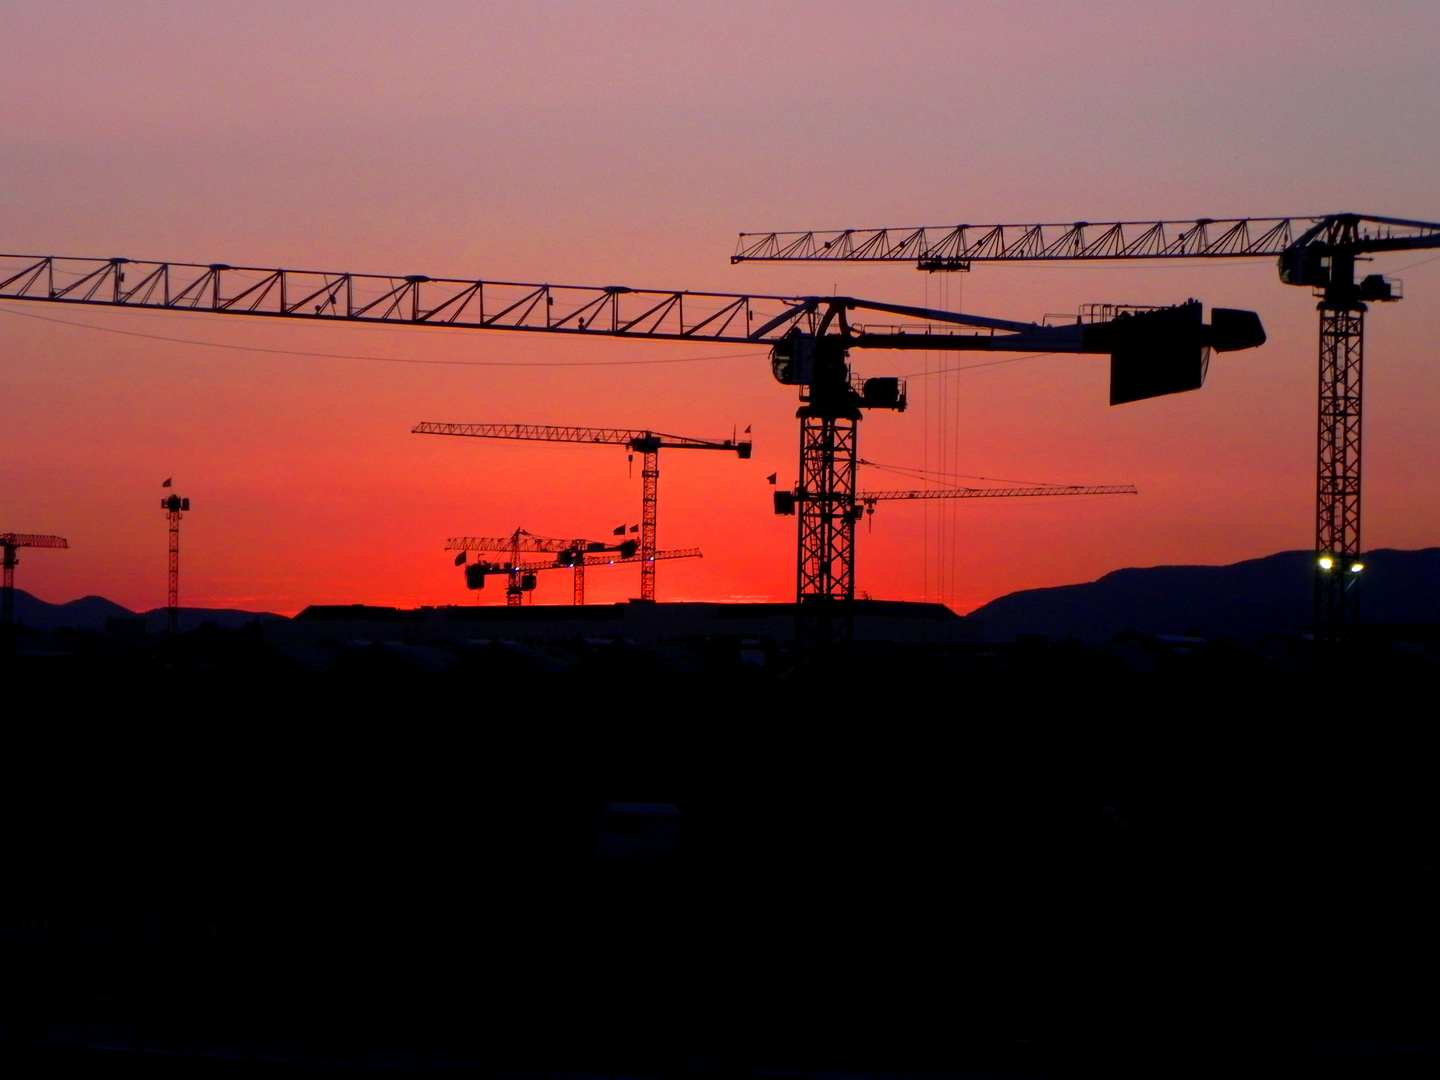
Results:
1152 352
949 246
634 438
872 497
337 296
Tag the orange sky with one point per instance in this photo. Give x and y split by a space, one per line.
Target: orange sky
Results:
628 144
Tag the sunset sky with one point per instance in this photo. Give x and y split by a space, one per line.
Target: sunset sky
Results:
629 143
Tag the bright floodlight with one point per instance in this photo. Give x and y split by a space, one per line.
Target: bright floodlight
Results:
1326 562
1356 567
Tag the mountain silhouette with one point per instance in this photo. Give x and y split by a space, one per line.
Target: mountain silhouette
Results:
90 613
1242 600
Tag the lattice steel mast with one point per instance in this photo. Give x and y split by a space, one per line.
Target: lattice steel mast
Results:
174 507
1319 251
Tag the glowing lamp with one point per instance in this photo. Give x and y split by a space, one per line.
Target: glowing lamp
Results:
1326 562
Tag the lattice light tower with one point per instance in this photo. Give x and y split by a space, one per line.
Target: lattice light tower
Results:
175 507
1319 251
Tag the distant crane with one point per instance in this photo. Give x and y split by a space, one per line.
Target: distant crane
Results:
572 555
476 573
175 507
9 543
646 443
1152 352
1319 251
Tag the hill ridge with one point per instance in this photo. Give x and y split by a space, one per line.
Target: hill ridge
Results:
1244 599
89 612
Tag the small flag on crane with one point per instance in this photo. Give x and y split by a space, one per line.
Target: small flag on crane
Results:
166 482
460 559
747 429
634 528
619 530
773 477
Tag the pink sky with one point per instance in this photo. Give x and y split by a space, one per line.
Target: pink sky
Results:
629 144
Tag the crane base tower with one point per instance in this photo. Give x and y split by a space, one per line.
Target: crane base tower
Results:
1337 496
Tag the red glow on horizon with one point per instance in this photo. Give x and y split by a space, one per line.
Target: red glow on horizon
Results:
632 149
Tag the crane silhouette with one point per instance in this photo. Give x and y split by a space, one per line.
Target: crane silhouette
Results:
1319 252
10 543
646 443
1152 352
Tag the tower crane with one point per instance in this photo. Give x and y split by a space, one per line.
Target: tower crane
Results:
10 542
1320 252
1152 352
175 507
646 443
572 555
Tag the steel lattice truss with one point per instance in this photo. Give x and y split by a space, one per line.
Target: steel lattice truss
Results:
524 543
825 499
541 545
610 311
548 433
952 246
33 540
10 542
415 298
999 492
1337 518
602 558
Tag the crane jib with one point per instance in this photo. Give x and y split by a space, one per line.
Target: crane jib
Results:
955 247
673 315
613 311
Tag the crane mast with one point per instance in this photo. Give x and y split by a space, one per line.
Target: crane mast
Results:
175 507
1151 352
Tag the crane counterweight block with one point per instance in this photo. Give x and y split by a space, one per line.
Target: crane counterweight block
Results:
1159 351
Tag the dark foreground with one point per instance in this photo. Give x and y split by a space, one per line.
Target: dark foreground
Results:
1027 860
